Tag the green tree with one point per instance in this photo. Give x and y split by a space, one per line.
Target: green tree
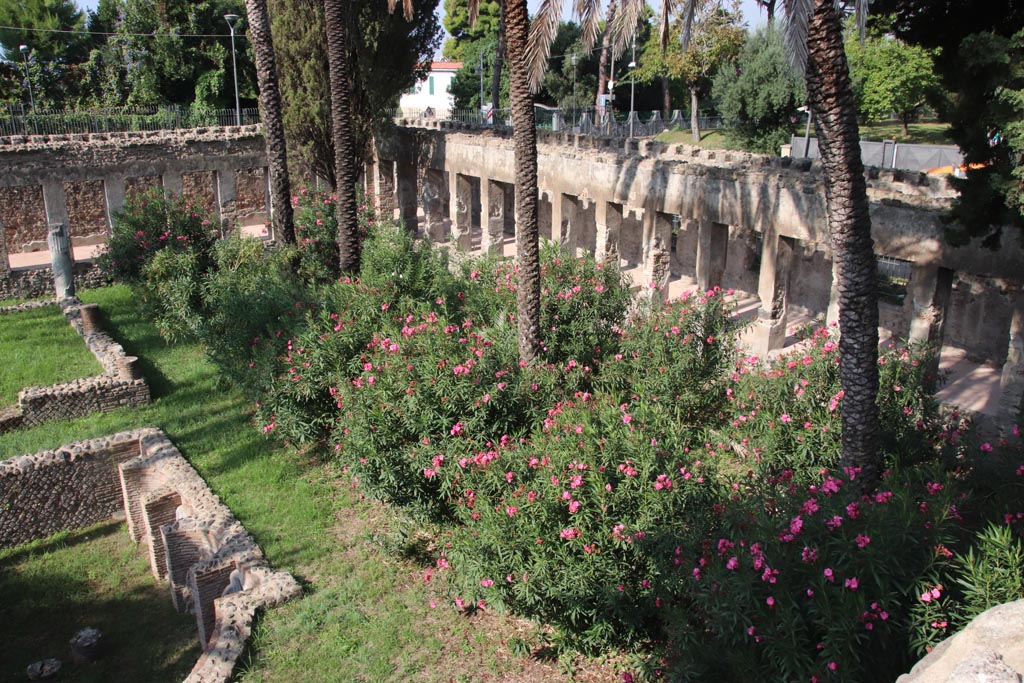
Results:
717 35
54 56
759 93
463 33
890 76
977 59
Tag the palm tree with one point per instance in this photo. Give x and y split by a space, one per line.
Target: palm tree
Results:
814 33
273 127
337 16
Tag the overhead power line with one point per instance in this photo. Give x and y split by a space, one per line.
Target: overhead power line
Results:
107 33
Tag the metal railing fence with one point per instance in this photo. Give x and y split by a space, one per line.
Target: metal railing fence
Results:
582 121
889 154
17 120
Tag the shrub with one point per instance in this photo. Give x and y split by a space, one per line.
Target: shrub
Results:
316 232
150 223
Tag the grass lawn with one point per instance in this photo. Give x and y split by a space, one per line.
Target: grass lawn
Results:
367 614
709 139
51 589
40 348
919 133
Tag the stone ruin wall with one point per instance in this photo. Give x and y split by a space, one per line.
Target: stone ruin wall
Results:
211 565
62 489
66 177
120 384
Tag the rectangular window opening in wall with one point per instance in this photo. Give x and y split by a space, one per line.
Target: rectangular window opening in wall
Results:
893 278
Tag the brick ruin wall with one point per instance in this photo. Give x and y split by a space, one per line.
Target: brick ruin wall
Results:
33 283
214 568
120 384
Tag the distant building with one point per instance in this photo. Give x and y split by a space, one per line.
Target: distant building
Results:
431 92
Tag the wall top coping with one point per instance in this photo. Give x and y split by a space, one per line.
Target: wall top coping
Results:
924 188
36 143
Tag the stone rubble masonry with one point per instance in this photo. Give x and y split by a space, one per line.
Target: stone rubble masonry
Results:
31 283
193 539
119 385
62 489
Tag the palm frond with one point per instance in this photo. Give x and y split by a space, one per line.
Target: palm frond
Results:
795 27
624 26
543 30
589 14
406 8
689 11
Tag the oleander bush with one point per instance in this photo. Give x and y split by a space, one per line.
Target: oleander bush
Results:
642 485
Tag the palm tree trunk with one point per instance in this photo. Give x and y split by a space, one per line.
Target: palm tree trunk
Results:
666 99
336 21
273 126
606 48
835 119
524 134
499 60
694 114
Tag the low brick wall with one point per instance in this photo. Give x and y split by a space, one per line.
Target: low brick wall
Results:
32 283
66 488
215 568
115 388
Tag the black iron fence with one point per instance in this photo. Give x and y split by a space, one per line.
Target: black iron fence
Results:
18 120
582 121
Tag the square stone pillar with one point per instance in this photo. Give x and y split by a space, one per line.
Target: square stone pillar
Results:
113 198
930 289
461 207
386 188
712 251
172 185
5 263
832 314
777 255
433 194
1011 383
657 254
492 203
370 180
563 222
408 196
608 226
55 202
227 193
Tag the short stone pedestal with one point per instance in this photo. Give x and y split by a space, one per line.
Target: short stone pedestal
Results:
91 321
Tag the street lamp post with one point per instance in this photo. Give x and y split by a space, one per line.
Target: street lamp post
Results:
231 19
807 132
632 87
28 84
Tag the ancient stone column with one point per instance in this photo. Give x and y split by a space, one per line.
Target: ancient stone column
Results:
492 209
113 198
5 264
407 195
832 315
370 180
1011 383
62 260
433 194
608 226
712 251
227 195
128 369
461 207
773 289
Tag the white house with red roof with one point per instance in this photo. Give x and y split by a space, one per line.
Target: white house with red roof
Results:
431 92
